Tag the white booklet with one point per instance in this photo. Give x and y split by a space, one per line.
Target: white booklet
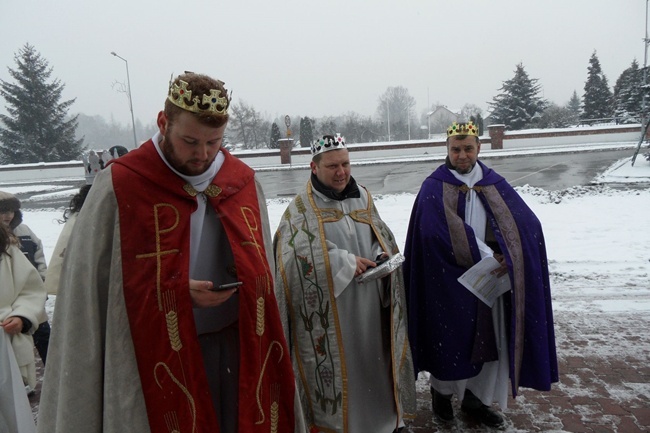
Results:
481 282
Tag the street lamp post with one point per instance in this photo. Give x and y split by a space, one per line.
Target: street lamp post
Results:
128 81
428 116
644 120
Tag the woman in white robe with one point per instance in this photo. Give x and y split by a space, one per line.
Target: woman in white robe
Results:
22 308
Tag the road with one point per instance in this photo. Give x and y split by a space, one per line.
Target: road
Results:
550 172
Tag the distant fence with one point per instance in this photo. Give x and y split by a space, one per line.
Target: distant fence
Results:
19 173
500 138
609 120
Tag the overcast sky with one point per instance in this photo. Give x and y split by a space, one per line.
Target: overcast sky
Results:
316 58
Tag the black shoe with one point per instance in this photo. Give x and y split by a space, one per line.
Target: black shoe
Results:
441 406
485 415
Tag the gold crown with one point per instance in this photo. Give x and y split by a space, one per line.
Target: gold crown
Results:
462 129
181 96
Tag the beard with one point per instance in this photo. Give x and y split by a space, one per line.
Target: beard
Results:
465 168
185 167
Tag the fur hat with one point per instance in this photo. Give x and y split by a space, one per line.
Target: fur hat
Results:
9 202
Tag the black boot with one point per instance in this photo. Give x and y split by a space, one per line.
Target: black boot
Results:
482 413
441 405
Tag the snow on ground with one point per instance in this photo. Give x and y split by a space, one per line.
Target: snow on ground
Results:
598 245
624 172
598 240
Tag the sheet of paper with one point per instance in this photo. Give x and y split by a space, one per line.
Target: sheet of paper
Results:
482 283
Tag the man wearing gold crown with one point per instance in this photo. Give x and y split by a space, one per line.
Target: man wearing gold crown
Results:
463 214
348 341
146 336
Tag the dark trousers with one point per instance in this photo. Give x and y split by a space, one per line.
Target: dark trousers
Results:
42 339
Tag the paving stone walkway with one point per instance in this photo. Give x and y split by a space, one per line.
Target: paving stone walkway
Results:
604 361
603 393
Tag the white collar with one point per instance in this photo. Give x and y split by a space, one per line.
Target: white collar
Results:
198 181
470 178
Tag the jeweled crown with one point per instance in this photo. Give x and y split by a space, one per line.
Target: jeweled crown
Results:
462 129
181 96
328 142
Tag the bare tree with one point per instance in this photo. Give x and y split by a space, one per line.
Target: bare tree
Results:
358 129
247 126
395 110
327 126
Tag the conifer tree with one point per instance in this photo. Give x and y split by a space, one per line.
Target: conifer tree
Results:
628 94
518 101
37 128
597 100
478 121
555 116
275 136
574 107
306 132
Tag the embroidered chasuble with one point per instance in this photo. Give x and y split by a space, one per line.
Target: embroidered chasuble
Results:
155 207
313 311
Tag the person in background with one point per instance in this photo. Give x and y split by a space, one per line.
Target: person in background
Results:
168 321
22 304
348 340
32 248
70 217
465 213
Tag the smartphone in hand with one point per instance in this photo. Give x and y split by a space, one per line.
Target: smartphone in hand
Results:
226 286
382 260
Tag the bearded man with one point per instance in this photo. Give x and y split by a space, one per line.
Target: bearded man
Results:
166 319
465 212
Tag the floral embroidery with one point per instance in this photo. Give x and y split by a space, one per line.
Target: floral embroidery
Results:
305 266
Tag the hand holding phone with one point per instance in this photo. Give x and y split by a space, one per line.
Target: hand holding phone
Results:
381 260
226 286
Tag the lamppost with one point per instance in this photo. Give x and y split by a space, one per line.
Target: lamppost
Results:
644 120
128 81
428 116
